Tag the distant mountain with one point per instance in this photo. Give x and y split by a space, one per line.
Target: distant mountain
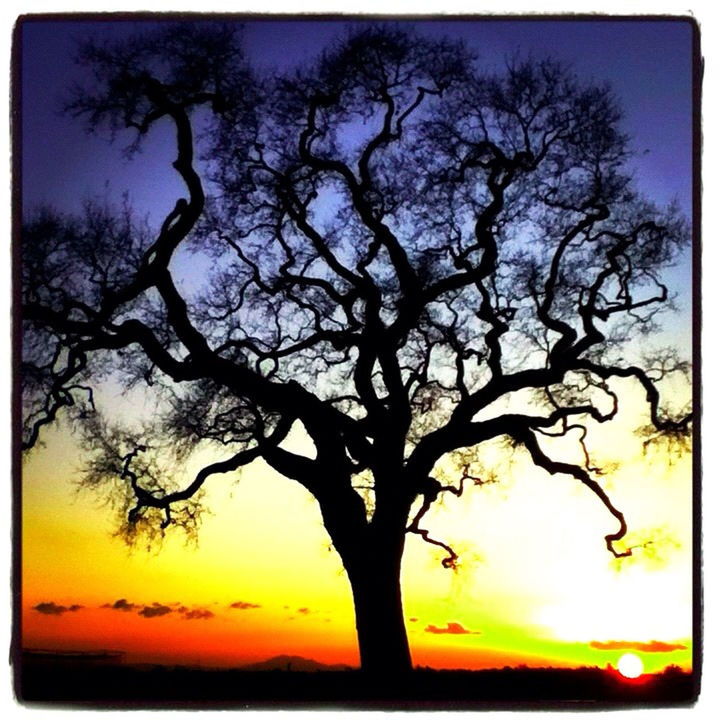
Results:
294 663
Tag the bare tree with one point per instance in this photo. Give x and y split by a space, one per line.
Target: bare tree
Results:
411 258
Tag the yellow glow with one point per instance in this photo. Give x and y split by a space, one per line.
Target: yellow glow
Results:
535 585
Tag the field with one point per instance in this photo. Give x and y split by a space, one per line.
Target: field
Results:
104 681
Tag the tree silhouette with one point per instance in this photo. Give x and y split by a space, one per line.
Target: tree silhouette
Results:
411 258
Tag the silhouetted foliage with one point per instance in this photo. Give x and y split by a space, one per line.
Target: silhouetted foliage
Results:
405 250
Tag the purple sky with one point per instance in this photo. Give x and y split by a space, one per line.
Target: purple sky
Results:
648 63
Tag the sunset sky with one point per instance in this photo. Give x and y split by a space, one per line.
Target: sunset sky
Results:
535 586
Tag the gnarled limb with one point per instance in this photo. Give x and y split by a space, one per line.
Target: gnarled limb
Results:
528 439
161 499
430 490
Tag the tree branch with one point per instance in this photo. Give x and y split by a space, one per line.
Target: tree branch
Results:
528 439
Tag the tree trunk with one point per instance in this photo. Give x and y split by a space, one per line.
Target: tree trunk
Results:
372 555
374 575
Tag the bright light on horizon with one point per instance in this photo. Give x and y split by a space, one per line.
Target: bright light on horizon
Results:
630 665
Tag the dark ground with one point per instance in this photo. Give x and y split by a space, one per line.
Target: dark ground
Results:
104 682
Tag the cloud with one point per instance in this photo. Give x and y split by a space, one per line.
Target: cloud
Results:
197 614
653 646
155 610
159 609
241 605
51 608
121 604
413 619
301 611
452 628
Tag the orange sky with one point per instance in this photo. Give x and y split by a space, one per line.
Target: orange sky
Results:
536 584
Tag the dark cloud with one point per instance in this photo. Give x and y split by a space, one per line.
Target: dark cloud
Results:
155 610
159 609
240 605
121 604
654 646
197 614
51 608
413 619
304 611
452 628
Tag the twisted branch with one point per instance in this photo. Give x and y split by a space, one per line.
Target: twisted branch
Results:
528 439
430 490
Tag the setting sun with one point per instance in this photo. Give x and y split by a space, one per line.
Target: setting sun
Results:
630 665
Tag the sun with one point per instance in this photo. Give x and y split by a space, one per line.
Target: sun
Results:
630 665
